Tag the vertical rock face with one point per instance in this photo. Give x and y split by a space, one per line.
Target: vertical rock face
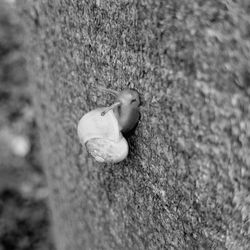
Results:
185 183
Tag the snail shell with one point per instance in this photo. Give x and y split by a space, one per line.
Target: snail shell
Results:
102 137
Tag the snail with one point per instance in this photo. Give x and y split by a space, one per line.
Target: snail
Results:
101 130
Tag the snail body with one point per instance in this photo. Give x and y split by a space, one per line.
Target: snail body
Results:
100 130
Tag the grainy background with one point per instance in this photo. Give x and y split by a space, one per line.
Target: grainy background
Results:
24 214
185 183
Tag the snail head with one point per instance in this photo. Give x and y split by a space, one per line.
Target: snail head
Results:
129 98
126 99
126 108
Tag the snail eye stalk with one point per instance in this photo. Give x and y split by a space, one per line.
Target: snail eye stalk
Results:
109 108
110 91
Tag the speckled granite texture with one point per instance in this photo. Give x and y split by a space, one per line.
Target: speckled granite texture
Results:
185 184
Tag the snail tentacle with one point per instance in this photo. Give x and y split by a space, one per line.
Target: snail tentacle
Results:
110 91
109 108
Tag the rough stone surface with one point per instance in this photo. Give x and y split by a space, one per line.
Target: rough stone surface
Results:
185 183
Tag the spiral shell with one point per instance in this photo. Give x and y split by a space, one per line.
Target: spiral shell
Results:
102 137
